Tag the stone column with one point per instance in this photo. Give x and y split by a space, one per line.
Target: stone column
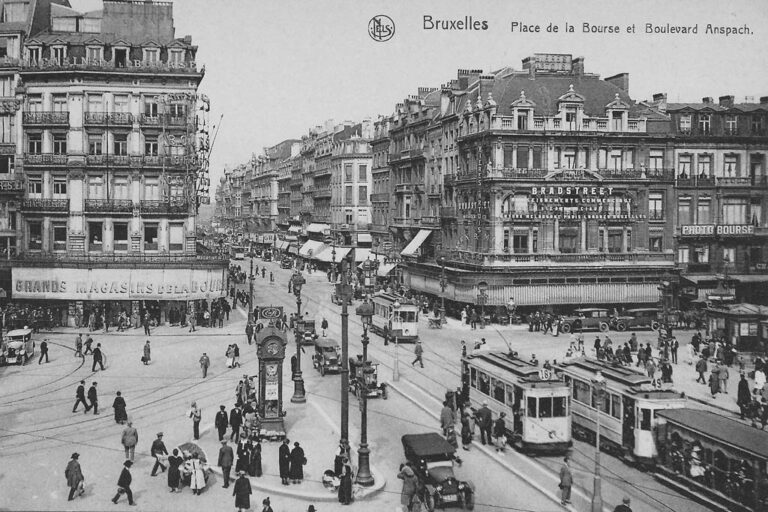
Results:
555 235
109 236
583 235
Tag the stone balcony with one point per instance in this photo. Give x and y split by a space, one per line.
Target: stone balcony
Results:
108 206
46 118
39 205
44 159
104 119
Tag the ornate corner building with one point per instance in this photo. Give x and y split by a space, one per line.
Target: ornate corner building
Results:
108 143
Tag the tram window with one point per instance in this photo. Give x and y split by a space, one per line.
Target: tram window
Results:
645 419
484 384
498 390
558 407
545 407
616 406
605 404
510 396
473 377
581 391
531 407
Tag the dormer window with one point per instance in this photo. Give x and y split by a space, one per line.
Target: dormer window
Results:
522 119
59 54
94 54
120 57
685 123
151 55
33 54
176 58
617 119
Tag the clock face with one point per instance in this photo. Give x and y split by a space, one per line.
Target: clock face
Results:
273 347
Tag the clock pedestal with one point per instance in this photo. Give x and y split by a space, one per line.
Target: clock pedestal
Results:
271 344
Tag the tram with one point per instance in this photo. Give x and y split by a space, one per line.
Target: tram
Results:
536 401
628 407
401 322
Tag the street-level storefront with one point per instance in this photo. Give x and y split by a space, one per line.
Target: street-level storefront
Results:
111 291
739 324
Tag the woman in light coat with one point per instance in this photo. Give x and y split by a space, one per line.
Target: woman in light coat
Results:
197 475
410 486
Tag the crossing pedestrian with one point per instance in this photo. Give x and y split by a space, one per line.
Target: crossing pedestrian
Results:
324 325
79 345
266 507
197 475
624 507
723 376
145 323
160 453
242 492
80 397
124 484
418 351
196 414
93 397
174 473
235 421
43 352
130 439
701 368
673 347
98 358
147 354
566 481
192 322
221 422
466 431
118 405
88 343
249 332
205 362
74 476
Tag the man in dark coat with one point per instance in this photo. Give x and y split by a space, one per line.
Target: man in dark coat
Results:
74 476
297 463
43 352
119 407
744 395
566 482
485 422
624 507
226 459
249 332
701 368
221 422
284 454
242 492
98 359
124 484
235 420
94 399
158 450
80 397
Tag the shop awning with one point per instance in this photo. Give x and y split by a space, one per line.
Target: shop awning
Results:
293 248
294 229
385 269
290 238
318 228
364 238
328 256
696 279
281 244
362 254
749 278
415 244
311 248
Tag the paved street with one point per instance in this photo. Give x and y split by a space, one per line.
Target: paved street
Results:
38 431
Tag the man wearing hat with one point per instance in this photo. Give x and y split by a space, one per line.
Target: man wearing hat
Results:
266 508
130 439
226 458
221 421
624 507
418 351
159 452
484 419
500 433
124 484
74 476
242 492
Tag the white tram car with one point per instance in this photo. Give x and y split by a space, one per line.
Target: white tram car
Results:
536 401
628 410
401 322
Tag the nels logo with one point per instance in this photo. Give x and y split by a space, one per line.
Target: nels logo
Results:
381 28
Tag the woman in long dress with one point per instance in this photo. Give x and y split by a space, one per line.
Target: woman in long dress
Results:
296 471
197 476
254 459
345 487
174 474
243 448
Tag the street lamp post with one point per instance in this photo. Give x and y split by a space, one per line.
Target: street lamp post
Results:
250 296
441 261
299 396
364 476
396 367
597 497
333 261
344 358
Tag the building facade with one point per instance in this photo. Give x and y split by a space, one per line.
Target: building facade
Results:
108 150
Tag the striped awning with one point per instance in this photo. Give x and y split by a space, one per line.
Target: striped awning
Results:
311 248
415 243
328 256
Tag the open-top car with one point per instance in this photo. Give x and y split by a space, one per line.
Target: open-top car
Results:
587 318
326 357
286 262
17 347
363 378
638 318
431 458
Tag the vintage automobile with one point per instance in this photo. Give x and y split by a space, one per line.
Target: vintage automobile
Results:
266 255
17 347
308 332
364 378
587 318
638 318
286 262
431 458
326 357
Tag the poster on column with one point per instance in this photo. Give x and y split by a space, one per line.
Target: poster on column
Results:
117 284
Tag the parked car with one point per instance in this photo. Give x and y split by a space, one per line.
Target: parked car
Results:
364 378
266 256
18 347
587 318
431 458
326 357
638 318
286 262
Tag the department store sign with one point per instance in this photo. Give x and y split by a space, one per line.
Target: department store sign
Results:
717 229
117 284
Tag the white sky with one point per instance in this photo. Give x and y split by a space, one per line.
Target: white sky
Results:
275 68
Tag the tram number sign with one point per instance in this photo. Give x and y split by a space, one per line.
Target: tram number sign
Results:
545 374
271 312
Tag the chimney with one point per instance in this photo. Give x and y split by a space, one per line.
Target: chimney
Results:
726 101
621 81
707 100
486 85
577 66
764 100
749 99
660 101
529 63
466 75
445 99
424 91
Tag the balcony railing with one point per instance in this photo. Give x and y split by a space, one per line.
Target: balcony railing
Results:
45 205
112 118
430 221
128 66
537 259
407 188
46 118
45 159
108 205
740 181
160 207
116 160
322 193
178 161
380 197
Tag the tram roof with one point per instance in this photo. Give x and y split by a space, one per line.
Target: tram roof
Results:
391 297
621 374
495 361
723 429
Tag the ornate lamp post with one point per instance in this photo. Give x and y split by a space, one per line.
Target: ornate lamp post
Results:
597 498
396 367
375 247
364 477
299 397
443 283
250 296
333 261
345 296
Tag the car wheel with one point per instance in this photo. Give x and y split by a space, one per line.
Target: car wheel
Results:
566 328
429 502
469 500
655 326
621 326
604 327
322 370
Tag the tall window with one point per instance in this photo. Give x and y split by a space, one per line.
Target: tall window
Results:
35 235
95 187
35 143
59 236
33 54
121 144
362 172
615 240
683 255
347 172
176 237
656 242
734 210
60 188
703 211
520 243
568 240
731 166
729 256
6 164
35 187
730 124
656 206
151 55
150 237
348 199
95 103
685 123
60 103
705 122
176 57
700 254
177 110
120 239
755 212
150 146
93 54
151 189
362 194
120 102
704 166
684 211
96 236
615 160
59 54
656 160
120 188
684 166
7 129
616 119
522 119
7 87
757 124
94 145
150 106
59 144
